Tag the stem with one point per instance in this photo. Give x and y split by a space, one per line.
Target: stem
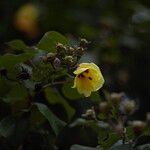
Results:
124 135
55 83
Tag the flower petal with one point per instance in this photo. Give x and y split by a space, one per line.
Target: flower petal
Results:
79 70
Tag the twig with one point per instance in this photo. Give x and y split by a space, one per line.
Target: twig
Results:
55 83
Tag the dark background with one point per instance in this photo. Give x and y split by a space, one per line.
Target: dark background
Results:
118 30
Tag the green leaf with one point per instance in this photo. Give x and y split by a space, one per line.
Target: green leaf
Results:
122 147
10 60
80 147
95 96
49 41
7 126
19 45
54 97
36 118
54 121
71 93
17 93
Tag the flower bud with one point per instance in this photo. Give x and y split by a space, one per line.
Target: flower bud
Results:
127 106
70 51
51 57
116 98
60 48
56 62
104 108
83 43
69 59
138 126
3 72
80 51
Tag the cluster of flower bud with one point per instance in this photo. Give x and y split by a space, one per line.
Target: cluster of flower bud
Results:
66 55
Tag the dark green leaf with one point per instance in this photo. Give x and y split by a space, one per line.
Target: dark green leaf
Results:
71 93
19 45
10 60
49 41
17 93
6 126
54 121
54 97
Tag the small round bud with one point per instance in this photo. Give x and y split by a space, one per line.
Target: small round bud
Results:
83 43
70 51
127 106
148 118
60 48
56 62
116 98
104 108
138 126
51 57
69 59
3 72
80 51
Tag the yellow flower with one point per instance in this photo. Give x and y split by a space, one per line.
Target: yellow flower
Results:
88 78
26 19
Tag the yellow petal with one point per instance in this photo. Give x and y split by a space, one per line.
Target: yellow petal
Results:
79 70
